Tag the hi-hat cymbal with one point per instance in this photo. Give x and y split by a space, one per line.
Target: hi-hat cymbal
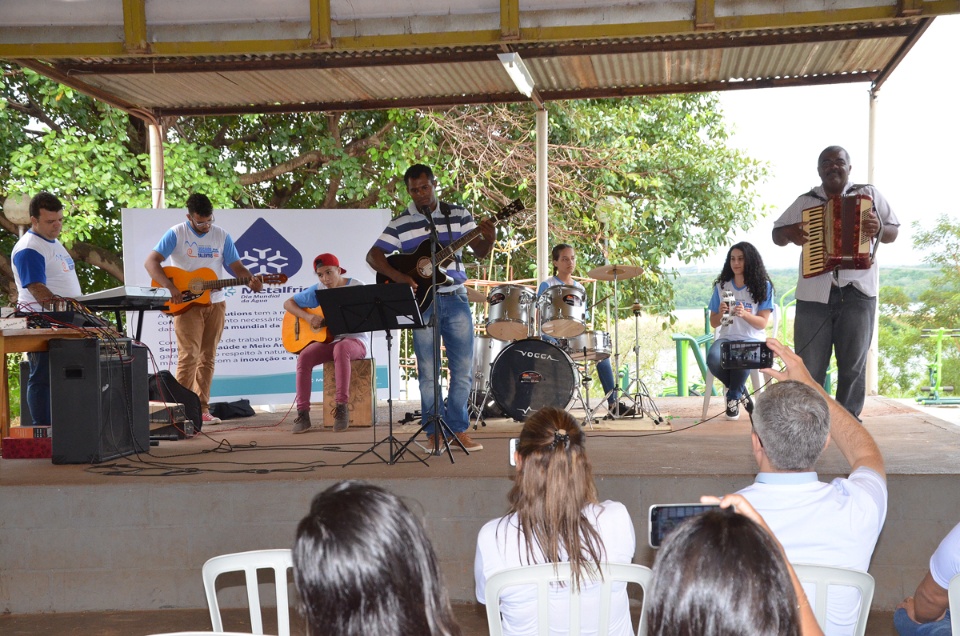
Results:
475 295
615 272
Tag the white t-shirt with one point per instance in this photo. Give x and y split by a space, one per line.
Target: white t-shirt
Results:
825 524
502 545
189 250
945 562
40 260
740 329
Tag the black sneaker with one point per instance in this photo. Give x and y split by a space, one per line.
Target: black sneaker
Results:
733 409
747 402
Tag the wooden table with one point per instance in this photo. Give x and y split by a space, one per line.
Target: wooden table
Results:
22 341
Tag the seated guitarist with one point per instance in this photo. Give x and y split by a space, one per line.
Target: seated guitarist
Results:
406 233
192 245
341 349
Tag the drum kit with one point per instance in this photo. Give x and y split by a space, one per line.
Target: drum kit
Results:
517 371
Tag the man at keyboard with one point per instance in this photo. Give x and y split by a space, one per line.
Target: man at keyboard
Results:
43 270
836 309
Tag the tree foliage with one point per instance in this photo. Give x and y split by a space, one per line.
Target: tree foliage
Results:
907 328
636 180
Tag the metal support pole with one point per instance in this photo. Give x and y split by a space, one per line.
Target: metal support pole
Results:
873 374
543 195
157 183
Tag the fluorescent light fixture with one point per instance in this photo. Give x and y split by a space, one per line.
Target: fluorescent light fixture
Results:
518 72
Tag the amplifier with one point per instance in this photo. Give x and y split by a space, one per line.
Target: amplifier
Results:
98 400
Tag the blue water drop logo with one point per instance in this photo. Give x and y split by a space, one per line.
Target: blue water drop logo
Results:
264 251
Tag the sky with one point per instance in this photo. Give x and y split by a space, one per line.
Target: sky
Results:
917 158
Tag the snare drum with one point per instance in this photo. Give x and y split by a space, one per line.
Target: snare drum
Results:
590 345
510 312
561 310
530 374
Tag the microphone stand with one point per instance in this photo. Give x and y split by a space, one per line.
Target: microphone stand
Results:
441 430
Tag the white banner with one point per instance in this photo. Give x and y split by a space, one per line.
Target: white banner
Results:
251 360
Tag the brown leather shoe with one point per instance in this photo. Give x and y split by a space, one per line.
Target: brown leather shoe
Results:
468 443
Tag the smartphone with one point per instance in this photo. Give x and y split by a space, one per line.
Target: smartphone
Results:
666 517
513 450
745 355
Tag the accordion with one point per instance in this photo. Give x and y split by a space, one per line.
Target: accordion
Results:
835 239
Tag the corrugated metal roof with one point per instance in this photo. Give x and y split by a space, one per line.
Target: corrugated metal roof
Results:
471 73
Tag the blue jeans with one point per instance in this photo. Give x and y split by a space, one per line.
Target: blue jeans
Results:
604 372
38 388
456 332
734 379
843 326
906 627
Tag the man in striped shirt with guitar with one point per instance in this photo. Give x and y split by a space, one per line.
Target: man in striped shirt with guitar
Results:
409 233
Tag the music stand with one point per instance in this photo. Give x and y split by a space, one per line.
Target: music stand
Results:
355 309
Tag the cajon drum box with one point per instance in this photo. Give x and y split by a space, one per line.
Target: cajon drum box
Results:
362 392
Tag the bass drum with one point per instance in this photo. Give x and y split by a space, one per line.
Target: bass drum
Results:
530 374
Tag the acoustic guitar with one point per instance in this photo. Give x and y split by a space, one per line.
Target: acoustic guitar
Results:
196 286
296 333
417 264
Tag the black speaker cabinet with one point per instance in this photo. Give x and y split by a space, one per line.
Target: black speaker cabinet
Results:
98 400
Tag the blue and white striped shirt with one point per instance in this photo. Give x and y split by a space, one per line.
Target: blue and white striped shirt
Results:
411 228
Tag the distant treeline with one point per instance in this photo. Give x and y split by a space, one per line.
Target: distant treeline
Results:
692 289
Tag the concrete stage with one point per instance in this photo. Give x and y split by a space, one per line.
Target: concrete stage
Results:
132 534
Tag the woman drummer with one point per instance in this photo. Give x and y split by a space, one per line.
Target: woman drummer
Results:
564 264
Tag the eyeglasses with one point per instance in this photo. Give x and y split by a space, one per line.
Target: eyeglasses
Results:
207 223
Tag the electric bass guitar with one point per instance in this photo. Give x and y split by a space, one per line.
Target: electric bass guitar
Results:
296 333
417 264
196 285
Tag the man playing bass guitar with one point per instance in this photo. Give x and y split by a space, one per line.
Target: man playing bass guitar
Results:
406 233
193 245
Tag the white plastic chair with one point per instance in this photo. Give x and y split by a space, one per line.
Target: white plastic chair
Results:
755 378
823 576
544 574
953 594
280 561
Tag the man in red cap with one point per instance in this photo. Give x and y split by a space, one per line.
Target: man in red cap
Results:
341 350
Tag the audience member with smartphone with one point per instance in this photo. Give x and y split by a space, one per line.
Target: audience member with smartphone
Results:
722 572
743 318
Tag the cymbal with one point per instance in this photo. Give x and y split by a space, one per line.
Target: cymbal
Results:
475 295
615 272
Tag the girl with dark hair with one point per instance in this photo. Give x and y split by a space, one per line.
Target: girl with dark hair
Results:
564 265
744 318
555 517
363 564
723 573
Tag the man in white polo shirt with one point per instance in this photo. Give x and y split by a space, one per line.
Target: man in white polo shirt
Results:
834 523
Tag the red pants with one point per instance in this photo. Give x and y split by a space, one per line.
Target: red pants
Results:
341 352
